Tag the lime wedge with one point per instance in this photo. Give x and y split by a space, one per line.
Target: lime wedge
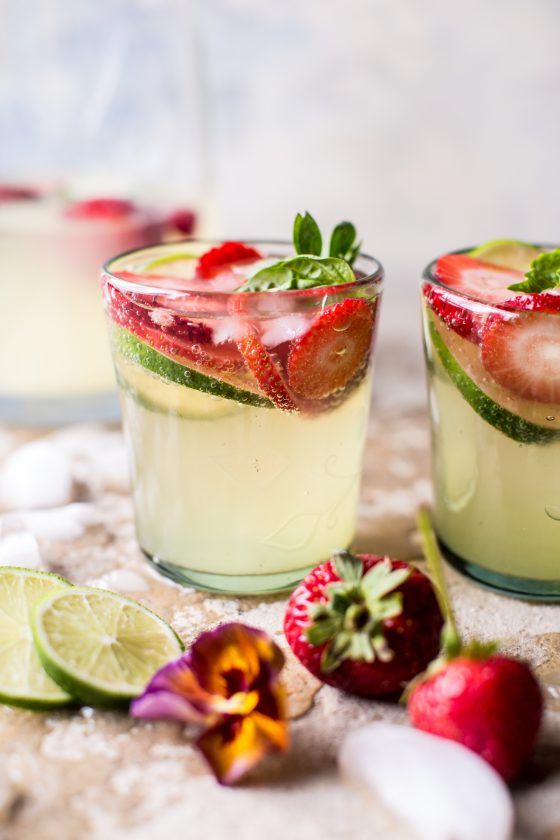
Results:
178 264
508 253
23 681
157 394
99 646
136 351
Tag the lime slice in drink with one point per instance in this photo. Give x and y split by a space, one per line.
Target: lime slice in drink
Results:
157 394
501 418
178 264
508 253
136 351
99 646
23 682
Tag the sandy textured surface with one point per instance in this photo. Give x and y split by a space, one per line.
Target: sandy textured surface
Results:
94 774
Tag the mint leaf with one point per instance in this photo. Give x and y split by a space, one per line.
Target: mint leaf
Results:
302 272
307 236
543 274
343 242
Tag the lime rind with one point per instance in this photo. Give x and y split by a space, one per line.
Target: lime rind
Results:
134 350
505 421
40 693
507 253
64 620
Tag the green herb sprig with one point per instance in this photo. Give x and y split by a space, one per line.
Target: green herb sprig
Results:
309 268
543 274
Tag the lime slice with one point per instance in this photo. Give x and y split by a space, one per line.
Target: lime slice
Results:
158 394
23 681
508 253
178 264
505 421
136 351
99 646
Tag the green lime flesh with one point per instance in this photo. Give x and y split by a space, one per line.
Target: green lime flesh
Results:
101 647
136 351
23 681
169 259
508 253
505 421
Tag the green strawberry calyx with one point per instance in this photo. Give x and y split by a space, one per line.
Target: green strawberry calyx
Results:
350 622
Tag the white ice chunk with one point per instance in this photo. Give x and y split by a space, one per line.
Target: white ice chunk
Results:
286 328
64 523
121 580
437 788
36 475
227 329
19 548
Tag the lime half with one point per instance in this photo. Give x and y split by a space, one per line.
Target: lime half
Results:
23 681
99 646
508 253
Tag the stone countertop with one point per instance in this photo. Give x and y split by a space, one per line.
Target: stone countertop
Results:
98 774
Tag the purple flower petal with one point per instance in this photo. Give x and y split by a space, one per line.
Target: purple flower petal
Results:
165 705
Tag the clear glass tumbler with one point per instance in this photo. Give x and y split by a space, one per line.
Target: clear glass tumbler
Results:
495 436
240 484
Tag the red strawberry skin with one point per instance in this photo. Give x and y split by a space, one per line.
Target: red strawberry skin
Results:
413 636
183 220
333 350
262 366
485 282
210 263
493 706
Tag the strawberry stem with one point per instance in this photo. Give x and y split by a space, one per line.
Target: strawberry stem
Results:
430 548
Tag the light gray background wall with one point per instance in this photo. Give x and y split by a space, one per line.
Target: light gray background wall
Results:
430 124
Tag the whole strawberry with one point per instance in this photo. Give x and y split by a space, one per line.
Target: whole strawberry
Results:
364 623
490 703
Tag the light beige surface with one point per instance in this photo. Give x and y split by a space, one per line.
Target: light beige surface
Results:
90 774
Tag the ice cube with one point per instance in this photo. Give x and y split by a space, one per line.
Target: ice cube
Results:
435 787
36 475
19 548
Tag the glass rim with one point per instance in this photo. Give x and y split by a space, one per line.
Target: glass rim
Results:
429 276
374 276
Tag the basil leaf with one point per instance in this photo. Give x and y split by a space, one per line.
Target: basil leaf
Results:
302 272
307 236
343 239
543 274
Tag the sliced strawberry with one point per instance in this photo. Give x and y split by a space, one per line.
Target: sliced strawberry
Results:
333 350
100 209
541 302
183 220
262 366
13 192
522 353
224 255
485 282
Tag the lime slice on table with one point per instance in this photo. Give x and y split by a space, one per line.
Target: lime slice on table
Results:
23 682
101 647
136 351
177 264
508 253
157 394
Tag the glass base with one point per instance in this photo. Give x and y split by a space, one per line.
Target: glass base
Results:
230 584
525 589
58 411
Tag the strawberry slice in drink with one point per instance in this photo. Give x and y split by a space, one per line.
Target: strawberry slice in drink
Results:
264 369
522 352
183 340
481 281
100 209
223 256
333 350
